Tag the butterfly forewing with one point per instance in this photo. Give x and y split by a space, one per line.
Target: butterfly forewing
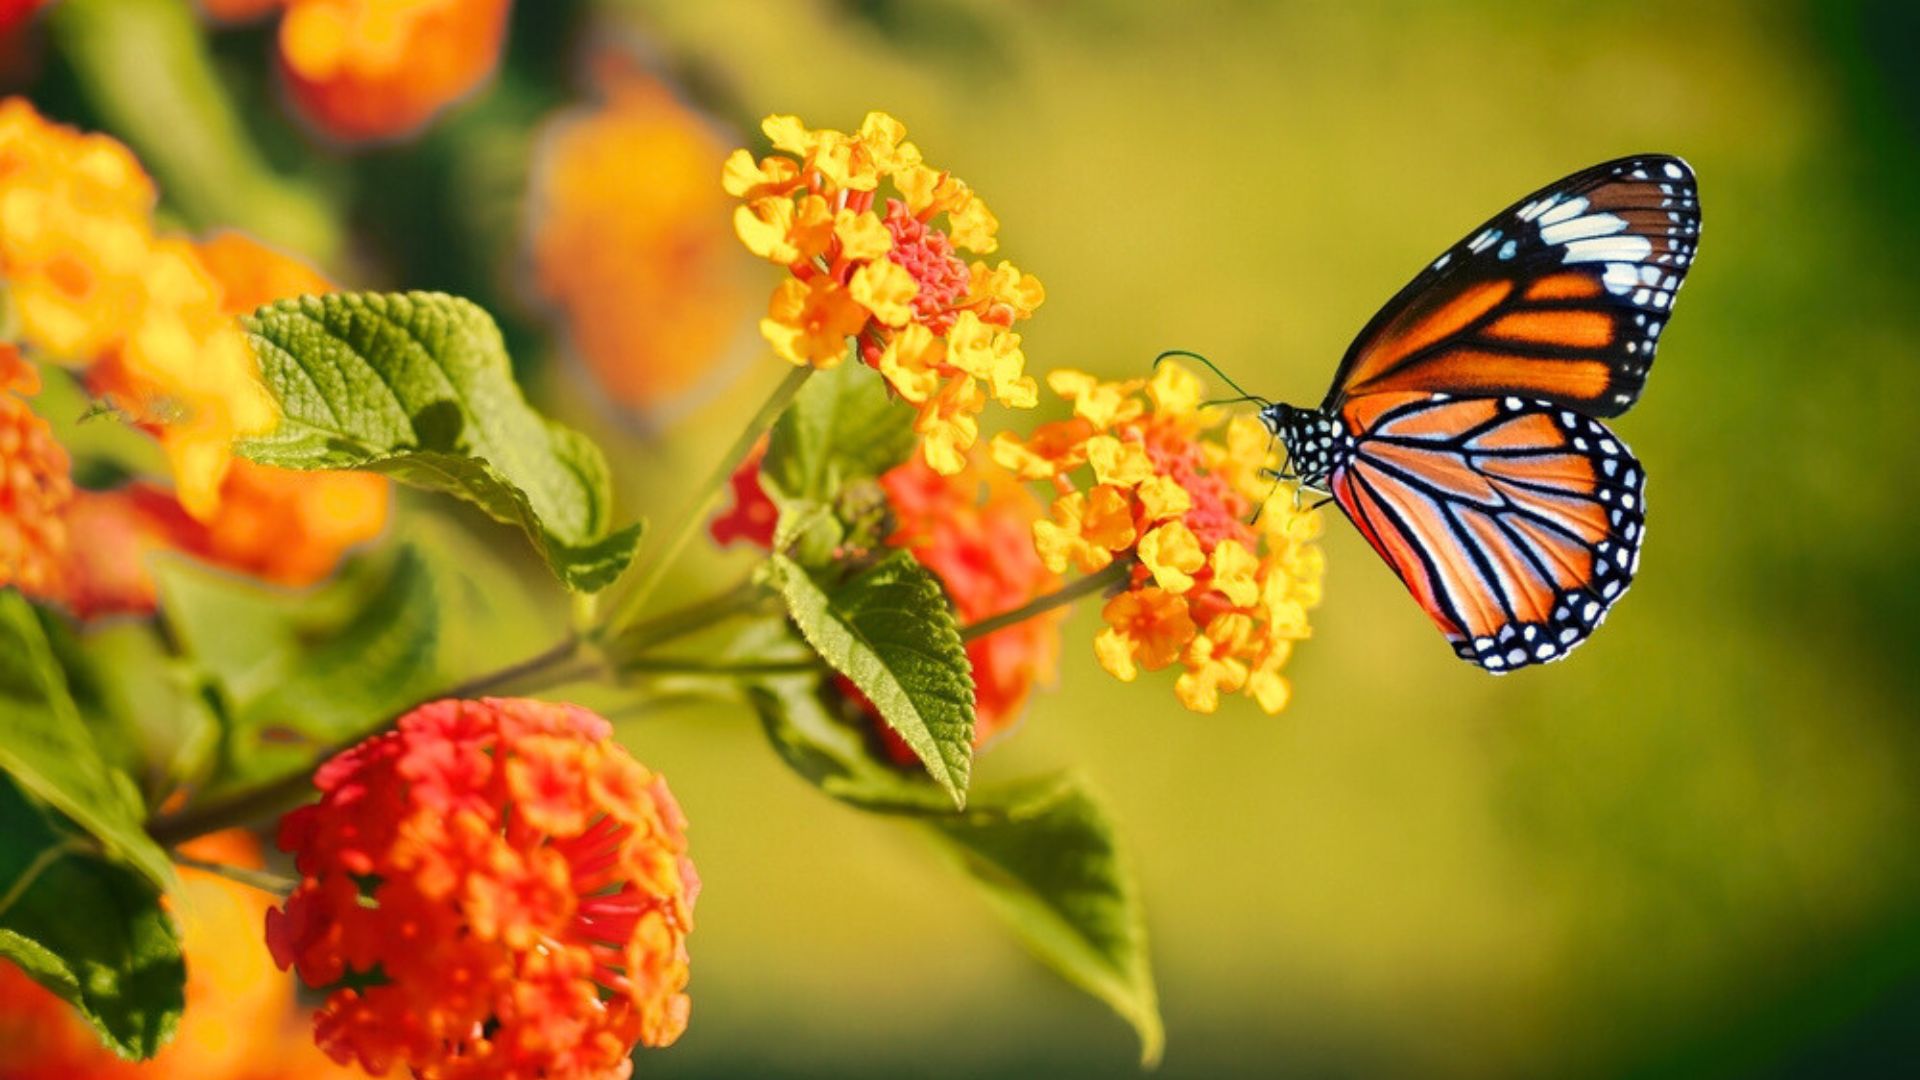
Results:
1561 297
1516 523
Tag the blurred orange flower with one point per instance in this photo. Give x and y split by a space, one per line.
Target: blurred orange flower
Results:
241 1020
890 279
87 550
290 528
378 69
627 240
1171 496
532 896
36 489
94 287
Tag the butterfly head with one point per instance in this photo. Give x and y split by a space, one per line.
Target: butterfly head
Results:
1316 442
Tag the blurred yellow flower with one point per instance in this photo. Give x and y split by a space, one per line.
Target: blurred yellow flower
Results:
886 276
627 240
1171 495
94 287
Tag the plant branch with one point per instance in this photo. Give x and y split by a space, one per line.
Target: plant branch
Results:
646 634
678 665
628 607
1114 574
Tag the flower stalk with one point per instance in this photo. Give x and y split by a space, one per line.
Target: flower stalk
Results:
627 608
1114 574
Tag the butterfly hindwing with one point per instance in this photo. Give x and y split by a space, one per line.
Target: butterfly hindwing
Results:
1560 297
1516 523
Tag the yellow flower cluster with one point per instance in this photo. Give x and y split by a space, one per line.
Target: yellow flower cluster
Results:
1171 495
93 285
886 275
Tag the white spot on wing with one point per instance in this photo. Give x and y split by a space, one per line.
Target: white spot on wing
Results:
1582 228
1628 247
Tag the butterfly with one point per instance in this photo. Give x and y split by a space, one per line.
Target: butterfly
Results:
1462 435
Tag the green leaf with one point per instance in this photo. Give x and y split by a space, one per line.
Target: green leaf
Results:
51 754
90 930
813 731
303 678
1045 857
890 631
418 386
842 427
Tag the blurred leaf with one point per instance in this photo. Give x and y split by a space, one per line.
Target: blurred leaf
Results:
842 427
312 675
1044 855
890 630
90 930
144 67
148 709
50 753
418 386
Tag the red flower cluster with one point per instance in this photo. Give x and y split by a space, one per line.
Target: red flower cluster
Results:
494 888
975 532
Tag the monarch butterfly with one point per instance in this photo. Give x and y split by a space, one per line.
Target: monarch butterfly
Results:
1462 434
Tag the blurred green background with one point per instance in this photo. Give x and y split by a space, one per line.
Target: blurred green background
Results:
1688 851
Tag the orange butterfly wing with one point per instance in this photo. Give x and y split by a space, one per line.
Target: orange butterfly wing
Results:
1560 297
1515 523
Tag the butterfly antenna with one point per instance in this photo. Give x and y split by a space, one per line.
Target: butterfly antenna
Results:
1211 366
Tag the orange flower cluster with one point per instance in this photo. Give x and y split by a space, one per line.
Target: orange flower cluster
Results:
628 241
974 531
493 888
887 275
94 286
1224 598
241 1020
379 69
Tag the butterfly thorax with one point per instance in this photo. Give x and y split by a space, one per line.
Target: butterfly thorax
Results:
1316 442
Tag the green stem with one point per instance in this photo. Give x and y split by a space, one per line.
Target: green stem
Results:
678 665
641 636
259 879
46 858
1092 583
532 667
628 607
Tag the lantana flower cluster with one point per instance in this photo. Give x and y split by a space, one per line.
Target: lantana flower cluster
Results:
884 271
1145 477
493 888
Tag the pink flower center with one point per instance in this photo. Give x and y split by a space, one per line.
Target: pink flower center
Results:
927 254
1219 512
